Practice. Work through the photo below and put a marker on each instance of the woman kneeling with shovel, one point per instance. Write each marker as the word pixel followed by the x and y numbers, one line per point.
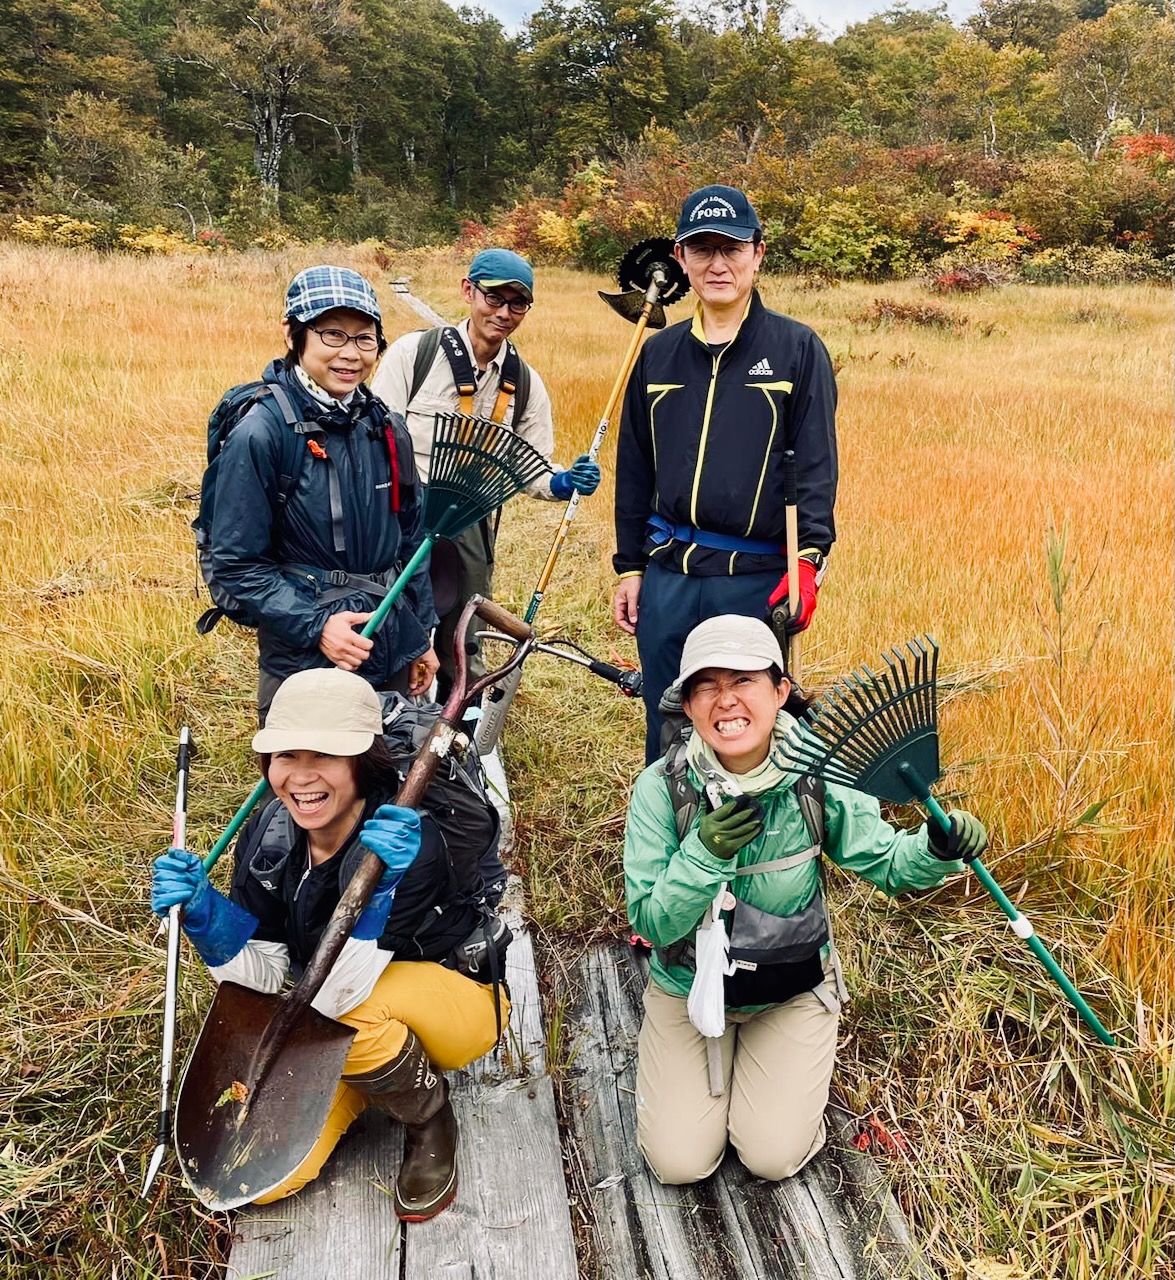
pixel 739 1042
pixel 324 756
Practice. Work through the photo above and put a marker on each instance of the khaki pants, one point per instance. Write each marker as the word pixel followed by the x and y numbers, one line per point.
pixel 776 1067
pixel 453 1017
pixel 475 576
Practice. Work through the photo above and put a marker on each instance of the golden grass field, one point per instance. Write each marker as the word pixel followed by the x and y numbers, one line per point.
pixel 1006 487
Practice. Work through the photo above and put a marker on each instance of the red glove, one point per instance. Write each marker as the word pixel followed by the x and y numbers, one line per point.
pixel 808 588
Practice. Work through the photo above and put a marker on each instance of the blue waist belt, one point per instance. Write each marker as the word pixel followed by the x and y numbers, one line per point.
pixel 660 532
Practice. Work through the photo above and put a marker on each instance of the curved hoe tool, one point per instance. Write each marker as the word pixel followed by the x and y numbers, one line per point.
pixel 263 1074
pixel 878 732
pixel 650 275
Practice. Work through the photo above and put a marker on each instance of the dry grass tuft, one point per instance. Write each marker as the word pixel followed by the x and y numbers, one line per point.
pixel 1012 496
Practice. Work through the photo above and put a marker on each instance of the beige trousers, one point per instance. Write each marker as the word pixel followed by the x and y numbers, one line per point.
pixel 776 1068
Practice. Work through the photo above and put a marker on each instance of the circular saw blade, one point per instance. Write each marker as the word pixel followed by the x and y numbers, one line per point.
pixel 636 269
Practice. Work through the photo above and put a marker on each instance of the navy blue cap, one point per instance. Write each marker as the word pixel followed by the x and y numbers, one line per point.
pixel 724 210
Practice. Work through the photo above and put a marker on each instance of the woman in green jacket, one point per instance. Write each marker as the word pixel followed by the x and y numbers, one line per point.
pixel 744 1050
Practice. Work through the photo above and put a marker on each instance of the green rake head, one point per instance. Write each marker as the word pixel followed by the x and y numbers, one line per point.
pixel 475 467
pixel 875 731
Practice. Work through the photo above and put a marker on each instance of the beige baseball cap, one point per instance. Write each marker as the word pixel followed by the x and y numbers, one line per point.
pixel 323 709
pixel 730 643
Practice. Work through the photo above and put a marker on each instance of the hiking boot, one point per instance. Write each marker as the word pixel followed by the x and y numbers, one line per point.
pixel 410 1089
pixel 428 1175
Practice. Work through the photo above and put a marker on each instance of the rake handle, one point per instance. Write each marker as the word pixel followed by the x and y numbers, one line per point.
pixel 1021 925
pixel 395 590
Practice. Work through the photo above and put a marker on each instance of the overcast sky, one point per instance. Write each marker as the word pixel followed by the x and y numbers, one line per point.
pixel 832 16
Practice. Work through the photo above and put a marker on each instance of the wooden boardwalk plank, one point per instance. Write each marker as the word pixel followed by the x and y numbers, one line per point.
pixel 510 1220
pixel 835 1220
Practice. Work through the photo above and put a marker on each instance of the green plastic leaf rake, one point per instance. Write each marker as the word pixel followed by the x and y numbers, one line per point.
pixel 878 732
pixel 475 466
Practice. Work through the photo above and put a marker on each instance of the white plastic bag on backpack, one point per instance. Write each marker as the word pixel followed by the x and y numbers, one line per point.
pixel 707 995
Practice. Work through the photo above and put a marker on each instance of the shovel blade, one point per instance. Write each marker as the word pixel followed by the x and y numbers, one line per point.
pixel 230 1152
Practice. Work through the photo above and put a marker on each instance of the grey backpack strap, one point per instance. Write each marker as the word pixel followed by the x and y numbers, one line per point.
pixel 682 792
pixel 426 353
pixel 810 793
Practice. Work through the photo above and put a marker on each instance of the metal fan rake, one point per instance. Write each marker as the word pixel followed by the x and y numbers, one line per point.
pixel 877 732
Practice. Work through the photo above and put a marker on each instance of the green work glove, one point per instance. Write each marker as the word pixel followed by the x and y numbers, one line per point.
pixel 725 831
pixel 966 841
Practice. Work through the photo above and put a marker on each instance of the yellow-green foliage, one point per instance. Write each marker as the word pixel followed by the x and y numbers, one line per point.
pixel 1005 485
pixel 57 229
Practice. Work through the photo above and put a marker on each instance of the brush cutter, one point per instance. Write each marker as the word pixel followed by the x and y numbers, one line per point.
pixel 650 276
pixel 878 733
pixel 263 1074
pixel 475 466
pixel 179 833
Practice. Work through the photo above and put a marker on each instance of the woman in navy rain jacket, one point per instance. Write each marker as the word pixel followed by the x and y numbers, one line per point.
pixel 311 568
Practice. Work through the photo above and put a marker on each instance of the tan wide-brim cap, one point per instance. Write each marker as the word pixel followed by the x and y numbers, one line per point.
pixel 729 643
pixel 324 709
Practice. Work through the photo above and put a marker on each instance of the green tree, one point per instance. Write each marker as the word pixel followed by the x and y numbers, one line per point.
pixel 50 49
pixel 1114 75
pixel 1001 97
pixel 891 64
pixel 279 60
pixel 1032 24
pixel 599 69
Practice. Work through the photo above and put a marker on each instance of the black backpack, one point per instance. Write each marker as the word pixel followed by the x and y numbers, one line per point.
pixel 234 406
pixel 457 799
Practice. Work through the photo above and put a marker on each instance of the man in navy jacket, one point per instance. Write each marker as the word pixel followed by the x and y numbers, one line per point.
pixel 711 407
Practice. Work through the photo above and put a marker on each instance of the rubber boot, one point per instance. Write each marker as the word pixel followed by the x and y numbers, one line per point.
pixel 411 1090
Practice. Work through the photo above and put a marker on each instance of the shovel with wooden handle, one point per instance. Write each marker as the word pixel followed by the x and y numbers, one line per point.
pixel 263 1074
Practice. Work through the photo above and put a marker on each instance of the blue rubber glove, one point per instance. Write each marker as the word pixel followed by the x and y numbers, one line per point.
pixel 393 835
pixel 583 477
pixel 216 927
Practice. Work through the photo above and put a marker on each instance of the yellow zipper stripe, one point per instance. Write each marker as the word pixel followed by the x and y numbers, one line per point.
pixel 693 503
pixel 660 390
pixel 766 388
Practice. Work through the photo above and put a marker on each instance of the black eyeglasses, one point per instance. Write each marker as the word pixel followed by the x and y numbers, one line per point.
pixel 495 301
pixel 340 338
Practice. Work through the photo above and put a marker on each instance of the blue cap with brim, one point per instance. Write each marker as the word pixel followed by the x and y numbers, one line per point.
pixel 320 289
pixel 492 268
pixel 723 210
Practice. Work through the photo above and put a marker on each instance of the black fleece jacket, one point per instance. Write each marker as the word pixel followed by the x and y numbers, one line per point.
pixel 702 440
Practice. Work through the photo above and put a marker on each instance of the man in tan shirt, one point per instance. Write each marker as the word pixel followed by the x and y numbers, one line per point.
pixel 474 368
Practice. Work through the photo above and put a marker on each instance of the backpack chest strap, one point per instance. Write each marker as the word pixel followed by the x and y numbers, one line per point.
pixel 781 864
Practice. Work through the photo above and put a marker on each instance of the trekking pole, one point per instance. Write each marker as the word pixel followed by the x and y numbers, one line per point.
pixel 179 835
pixel 650 276
pixel 878 733
pixel 475 466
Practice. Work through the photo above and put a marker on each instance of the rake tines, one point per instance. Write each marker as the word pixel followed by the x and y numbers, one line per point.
pixel 868 724
pixel 878 732
pixel 475 467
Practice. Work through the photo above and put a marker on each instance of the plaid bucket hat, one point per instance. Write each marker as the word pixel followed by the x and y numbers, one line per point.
pixel 319 289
